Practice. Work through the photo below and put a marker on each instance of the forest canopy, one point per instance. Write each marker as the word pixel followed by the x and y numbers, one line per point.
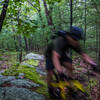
pixel 27 25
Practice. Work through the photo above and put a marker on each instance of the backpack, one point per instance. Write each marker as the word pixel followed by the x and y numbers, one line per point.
pixel 75 32
pixel 61 33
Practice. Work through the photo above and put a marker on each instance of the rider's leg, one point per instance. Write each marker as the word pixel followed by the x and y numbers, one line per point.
pixel 49 77
pixel 49 68
pixel 49 80
pixel 68 68
pixel 67 63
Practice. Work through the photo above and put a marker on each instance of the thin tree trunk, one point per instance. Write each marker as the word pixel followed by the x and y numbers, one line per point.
pixel 15 44
pixel 19 41
pixel 99 58
pixel 48 16
pixel 30 44
pixel 99 48
pixel 96 45
pixel 15 39
pixel 20 48
pixel 3 13
pixel 26 44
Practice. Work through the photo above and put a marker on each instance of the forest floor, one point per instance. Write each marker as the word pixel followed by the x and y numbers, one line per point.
pixel 90 79
pixel 5 62
pixel 82 72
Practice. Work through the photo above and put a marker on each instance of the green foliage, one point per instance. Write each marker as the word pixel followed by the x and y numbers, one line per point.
pixel 29 20
pixel 32 62
pixel 43 90
pixel 30 73
pixel 53 1
pixel 93 82
pixel 1 58
pixel 11 71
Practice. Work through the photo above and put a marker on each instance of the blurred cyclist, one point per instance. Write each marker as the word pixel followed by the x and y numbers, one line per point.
pixel 56 52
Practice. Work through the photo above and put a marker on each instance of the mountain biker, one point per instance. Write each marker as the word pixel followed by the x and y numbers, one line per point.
pixel 56 52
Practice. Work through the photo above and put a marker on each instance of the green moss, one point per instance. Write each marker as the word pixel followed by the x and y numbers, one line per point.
pixel 93 82
pixel 11 71
pixel 43 90
pixel 1 59
pixel 30 73
pixel 32 62
pixel 1 55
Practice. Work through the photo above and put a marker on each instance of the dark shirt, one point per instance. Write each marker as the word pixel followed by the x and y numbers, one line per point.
pixel 61 46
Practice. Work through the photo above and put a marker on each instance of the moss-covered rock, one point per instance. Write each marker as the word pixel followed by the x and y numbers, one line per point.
pixel 32 62
pixel 30 73
pixel 14 93
pixel 29 70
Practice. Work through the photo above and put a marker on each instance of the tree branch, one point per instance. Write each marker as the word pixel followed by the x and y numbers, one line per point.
pixel 33 5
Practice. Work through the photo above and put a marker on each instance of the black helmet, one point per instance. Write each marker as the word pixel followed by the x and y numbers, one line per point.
pixel 76 33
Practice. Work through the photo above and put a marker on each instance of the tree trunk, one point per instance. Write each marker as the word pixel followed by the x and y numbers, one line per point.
pixel 30 44
pixel 16 47
pixel 3 13
pixel 20 48
pixel 48 16
pixel 99 48
pixel 26 44
pixel 99 58
pixel 19 40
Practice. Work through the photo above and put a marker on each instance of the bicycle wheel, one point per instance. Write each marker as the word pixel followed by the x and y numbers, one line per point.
pixel 79 95
pixel 54 93
pixel 76 95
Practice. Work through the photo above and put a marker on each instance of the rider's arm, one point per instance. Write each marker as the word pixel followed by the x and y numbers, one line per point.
pixel 56 62
pixel 76 46
pixel 87 59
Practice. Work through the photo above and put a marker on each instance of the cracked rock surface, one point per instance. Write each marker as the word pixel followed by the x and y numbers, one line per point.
pixel 18 89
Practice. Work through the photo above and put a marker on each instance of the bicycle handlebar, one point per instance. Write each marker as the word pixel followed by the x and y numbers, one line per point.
pixel 96 68
pixel 63 77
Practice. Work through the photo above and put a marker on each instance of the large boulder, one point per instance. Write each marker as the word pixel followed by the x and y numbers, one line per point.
pixel 14 93
pixel 17 82
pixel 18 89
pixel 6 79
pixel 24 83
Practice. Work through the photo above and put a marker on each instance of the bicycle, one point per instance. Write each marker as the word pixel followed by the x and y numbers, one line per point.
pixel 67 89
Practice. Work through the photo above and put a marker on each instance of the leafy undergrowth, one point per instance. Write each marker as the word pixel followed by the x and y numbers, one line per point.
pixel 8 59
pixel 30 73
pixel 91 85
pixel 43 90
pixel 32 62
